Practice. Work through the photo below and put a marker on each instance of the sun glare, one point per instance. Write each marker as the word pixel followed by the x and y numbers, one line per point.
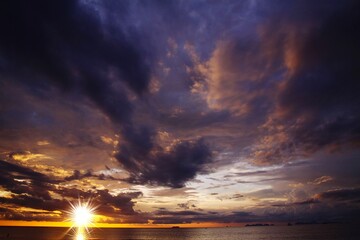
pixel 82 214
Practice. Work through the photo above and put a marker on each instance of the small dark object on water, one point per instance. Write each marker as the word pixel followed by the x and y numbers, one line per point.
pixel 259 225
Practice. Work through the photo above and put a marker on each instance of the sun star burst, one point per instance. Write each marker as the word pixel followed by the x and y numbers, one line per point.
pixel 82 214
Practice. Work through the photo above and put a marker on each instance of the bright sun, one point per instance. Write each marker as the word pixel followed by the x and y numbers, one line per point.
pixel 82 216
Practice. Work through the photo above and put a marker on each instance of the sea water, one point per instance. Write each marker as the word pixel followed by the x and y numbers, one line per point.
pixel 303 232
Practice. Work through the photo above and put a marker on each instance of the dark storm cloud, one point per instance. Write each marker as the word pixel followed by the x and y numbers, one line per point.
pixel 246 72
pixel 61 43
pixel 351 194
pixel 18 180
pixel 36 202
pixel 172 167
pixel 318 106
pixel 28 188
pixel 21 172
pixel 67 44
pixel 114 205
pixel 325 86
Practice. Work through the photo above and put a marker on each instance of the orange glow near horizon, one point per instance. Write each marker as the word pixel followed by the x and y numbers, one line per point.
pixel 83 216
pixel 13 223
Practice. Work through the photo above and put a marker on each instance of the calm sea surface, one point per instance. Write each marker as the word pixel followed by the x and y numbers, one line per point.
pixel 328 232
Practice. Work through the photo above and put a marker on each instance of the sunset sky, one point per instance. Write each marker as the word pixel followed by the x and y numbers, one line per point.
pixel 168 112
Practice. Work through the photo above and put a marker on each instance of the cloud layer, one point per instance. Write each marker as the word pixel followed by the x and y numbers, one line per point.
pixel 162 111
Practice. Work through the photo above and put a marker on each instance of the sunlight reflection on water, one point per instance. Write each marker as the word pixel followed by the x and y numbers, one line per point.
pixel 80 234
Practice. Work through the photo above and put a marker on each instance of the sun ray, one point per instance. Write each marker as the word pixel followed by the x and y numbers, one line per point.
pixel 81 215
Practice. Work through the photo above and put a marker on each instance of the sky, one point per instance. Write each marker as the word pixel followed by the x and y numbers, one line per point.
pixel 180 112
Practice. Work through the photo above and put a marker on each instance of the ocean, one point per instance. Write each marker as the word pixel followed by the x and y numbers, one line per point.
pixel 303 232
